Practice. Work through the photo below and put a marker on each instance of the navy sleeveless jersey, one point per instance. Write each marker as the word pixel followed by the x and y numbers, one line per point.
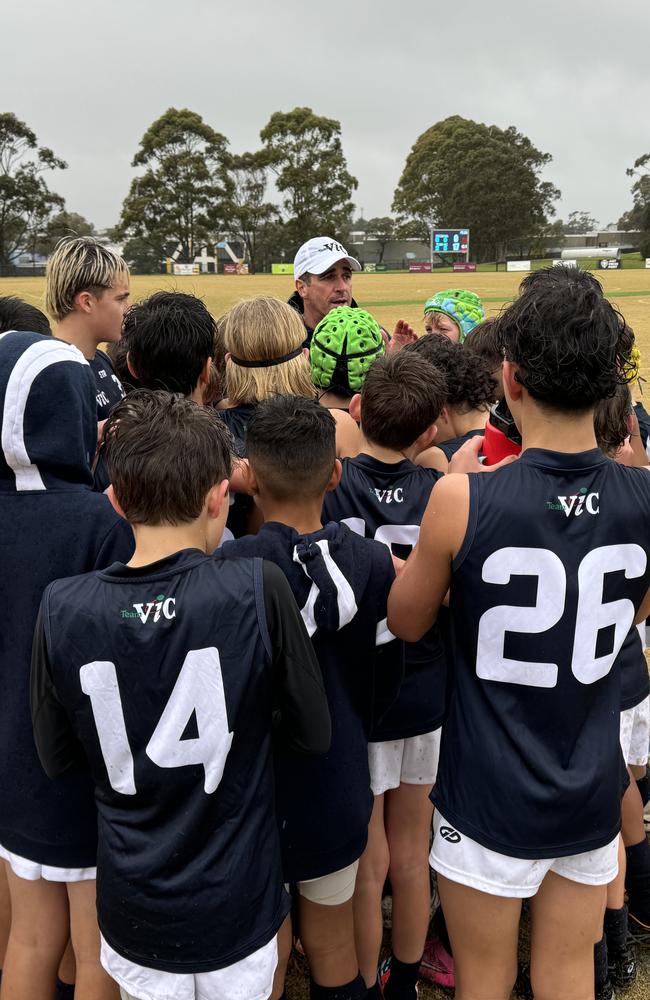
pixel 635 680
pixel 236 420
pixel 167 675
pixel 51 525
pixel 341 583
pixel 451 446
pixel 387 501
pixel 109 389
pixel 543 594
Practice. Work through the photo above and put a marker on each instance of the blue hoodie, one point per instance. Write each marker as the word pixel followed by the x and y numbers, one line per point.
pixel 51 525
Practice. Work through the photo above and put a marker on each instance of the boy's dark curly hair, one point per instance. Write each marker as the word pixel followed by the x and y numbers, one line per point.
pixel 470 385
pixel 610 420
pixel 571 346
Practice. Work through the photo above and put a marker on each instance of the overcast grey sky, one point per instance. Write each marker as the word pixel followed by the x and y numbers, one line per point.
pixel 574 75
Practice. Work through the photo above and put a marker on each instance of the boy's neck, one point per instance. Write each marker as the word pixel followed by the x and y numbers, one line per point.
pixel 390 456
pixel 154 542
pixel 74 329
pixel 474 420
pixel 304 516
pixel 564 432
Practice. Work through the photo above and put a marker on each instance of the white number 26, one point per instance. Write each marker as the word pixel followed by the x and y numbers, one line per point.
pixel 592 615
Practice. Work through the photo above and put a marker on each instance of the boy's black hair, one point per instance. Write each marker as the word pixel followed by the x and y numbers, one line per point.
pixel 118 354
pixel 483 342
pixel 560 275
pixel 170 337
pixel 572 347
pixel 610 420
pixel 15 314
pixel 165 453
pixel 468 376
pixel 291 446
pixel 402 396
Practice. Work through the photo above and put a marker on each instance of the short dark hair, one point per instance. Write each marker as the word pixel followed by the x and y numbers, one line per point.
pixel 483 342
pixel 165 453
pixel 291 446
pixel 571 346
pixel 402 395
pixel 470 385
pixel 170 336
pixel 15 314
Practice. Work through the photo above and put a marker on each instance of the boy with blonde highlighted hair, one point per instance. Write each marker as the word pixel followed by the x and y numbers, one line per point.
pixel 87 293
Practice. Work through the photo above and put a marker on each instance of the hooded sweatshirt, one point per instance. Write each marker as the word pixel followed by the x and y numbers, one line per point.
pixel 52 524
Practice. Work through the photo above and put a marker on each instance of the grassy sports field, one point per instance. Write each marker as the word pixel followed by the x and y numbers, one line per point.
pixel 390 297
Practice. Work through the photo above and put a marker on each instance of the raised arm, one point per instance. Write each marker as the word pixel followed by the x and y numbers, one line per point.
pixel 420 587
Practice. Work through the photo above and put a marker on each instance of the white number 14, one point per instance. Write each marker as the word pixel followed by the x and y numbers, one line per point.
pixel 198 689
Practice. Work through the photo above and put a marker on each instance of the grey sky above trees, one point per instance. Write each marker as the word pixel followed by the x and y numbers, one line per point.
pixel 572 75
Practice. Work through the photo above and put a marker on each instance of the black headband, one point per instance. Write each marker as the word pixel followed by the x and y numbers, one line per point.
pixel 269 362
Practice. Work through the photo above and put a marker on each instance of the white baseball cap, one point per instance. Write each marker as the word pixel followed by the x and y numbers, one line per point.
pixel 318 254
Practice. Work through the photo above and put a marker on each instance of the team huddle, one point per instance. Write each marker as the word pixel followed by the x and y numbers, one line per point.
pixel 301 614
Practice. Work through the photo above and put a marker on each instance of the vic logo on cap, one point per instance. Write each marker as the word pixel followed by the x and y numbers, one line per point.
pixel 330 247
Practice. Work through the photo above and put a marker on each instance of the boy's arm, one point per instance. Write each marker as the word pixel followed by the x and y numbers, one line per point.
pixel 301 698
pixel 433 458
pixel 57 746
pixel 420 588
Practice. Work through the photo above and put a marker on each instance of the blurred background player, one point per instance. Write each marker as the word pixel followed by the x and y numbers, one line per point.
pixel 453 313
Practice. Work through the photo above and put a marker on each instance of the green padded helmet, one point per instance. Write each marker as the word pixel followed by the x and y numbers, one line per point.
pixel 462 306
pixel 344 345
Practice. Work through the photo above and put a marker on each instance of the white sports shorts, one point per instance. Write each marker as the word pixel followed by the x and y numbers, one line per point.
pixel 332 889
pixel 635 733
pixel 33 870
pixel 461 859
pixel 413 761
pixel 250 979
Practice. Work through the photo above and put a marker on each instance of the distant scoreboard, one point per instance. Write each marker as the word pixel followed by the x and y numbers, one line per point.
pixel 450 240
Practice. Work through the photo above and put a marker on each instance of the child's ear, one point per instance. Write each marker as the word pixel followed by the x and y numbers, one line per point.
pixel 355 408
pixel 511 386
pixel 335 478
pixel 84 301
pixel 426 438
pixel 252 485
pixel 444 416
pixel 129 365
pixel 217 497
pixel 115 504
pixel 204 377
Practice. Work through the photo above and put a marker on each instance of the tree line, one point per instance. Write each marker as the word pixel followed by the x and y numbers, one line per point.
pixel 191 191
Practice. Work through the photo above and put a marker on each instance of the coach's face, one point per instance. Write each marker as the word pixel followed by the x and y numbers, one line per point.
pixel 326 291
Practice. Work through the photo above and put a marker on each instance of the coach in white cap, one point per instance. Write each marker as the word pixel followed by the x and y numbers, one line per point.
pixel 323 270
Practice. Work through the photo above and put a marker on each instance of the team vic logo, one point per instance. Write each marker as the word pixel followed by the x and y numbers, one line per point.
pixel 389 496
pixel 578 503
pixel 161 607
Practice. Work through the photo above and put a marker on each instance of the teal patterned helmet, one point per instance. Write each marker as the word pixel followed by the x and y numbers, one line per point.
pixel 462 306
pixel 344 345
